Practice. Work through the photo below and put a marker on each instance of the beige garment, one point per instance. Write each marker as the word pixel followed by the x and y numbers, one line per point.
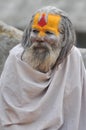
pixel 31 100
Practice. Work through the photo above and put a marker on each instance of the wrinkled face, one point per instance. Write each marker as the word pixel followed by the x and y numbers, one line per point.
pixel 45 29
pixel 45 41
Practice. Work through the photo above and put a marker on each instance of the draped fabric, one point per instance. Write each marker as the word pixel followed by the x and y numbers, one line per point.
pixel 31 100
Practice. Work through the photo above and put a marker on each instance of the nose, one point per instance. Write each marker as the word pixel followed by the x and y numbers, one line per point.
pixel 41 34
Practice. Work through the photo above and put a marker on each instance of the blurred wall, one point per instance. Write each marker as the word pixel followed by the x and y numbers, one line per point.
pixel 18 12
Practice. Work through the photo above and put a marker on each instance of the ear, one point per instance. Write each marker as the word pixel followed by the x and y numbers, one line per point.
pixel 26 36
pixel 69 38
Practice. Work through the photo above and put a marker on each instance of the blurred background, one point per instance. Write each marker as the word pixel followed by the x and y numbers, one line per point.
pixel 17 13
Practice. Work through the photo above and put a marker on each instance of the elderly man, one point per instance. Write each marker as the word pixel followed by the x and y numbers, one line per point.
pixel 43 84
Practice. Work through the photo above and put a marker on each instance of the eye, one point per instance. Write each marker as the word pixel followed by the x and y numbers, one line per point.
pixel 49 33
pixel 35 31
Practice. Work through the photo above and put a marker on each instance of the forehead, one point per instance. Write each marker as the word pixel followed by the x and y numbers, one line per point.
pixel 44 21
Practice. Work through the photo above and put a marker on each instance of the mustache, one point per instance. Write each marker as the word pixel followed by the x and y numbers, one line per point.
pixel 40 45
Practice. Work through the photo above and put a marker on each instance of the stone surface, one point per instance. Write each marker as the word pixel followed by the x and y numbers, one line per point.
pixel 9 37
pixel 18 12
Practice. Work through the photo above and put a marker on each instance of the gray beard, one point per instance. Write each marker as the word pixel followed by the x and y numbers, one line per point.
pixel 41 58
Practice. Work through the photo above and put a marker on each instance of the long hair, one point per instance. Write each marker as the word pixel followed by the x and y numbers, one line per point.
pixel 66 27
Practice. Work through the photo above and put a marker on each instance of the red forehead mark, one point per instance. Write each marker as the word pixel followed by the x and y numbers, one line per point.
pixel 42 21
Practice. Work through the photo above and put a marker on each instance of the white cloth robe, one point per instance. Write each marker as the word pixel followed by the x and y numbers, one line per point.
pixel 31 100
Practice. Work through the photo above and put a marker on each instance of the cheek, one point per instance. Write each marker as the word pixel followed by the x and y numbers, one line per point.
pixel 51 39
pixel 32 37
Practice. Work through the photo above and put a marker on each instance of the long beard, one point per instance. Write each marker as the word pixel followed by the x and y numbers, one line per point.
pixel 40 56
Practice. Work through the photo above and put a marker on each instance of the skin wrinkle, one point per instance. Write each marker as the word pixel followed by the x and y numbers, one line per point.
pixel 44 52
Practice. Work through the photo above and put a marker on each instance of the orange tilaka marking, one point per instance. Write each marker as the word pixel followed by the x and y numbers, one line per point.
pixel 52 23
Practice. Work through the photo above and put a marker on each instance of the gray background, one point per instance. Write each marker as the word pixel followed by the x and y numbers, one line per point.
pixel 18 13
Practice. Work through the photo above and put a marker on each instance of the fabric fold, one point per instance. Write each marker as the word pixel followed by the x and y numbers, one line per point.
pixel 33 100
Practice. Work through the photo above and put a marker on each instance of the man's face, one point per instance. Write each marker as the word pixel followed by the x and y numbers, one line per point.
pixel 45 29
pixel 45 40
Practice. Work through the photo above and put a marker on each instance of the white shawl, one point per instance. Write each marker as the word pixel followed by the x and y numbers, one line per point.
pixel 31 100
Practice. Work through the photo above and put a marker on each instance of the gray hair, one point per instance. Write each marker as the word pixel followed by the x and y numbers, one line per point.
pixel 66 28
